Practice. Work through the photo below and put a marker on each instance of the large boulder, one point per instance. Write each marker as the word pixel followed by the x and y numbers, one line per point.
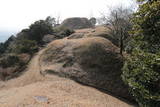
pixel 76 23
pixel 98 31
pixel 93 61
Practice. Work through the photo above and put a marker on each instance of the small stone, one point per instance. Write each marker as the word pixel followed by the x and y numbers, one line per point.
pixel 41 99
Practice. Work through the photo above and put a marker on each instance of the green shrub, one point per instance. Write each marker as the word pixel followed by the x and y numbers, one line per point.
pixel 24 46
pixel 9 60
pixel 63 32
pixel 67 32
pixel 38 29
pixel 2 49
pixel 147 26
pixel 4 46
pixel 141 72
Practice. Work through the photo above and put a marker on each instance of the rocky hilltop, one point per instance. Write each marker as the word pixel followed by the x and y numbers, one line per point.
pixel 92 61
pixel 77 23
pixel 80 70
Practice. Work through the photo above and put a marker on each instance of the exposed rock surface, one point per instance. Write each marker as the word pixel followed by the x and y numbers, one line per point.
pixel 76 23
pixel 86 57
pixel 35 90
pixel 98 31
pixel 93 61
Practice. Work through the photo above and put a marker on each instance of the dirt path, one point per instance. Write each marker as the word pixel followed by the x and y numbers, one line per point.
pixel 31 74
pixel 34 90
pixel 60 93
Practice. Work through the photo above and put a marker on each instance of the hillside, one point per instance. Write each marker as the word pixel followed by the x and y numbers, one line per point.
pixel 43 83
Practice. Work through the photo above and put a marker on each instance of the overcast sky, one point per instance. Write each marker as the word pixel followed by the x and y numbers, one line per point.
pixel 18 14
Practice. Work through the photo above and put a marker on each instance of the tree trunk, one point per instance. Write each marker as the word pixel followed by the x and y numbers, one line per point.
pixel 121 45
pixel 121 42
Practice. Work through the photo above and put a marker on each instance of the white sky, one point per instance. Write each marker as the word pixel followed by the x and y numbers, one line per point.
pixel 18 14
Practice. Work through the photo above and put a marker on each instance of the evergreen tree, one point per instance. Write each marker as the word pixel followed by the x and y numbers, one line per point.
pixel 147 25
pixel 141 70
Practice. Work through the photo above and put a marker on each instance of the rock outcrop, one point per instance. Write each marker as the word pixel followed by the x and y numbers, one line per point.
pixel 98 31
pixel 76 23
pixel 93 61
pixel 88 56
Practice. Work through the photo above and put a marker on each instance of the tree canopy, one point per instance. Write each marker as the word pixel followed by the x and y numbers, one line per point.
pixel 141 70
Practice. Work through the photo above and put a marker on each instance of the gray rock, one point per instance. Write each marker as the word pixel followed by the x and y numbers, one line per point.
pixel 91 61
pixel 41 99
pixel 77 23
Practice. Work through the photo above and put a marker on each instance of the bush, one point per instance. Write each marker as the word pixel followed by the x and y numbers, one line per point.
pixel 2 49
pixel 67 32
pixel 142 73
pixel 93 21
pixel 4 46
pixel 146 26
pixel 38 29
pixel 24 46
pixel 11 65
pixel 63 31
pixel 142 68
pixel 10 61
